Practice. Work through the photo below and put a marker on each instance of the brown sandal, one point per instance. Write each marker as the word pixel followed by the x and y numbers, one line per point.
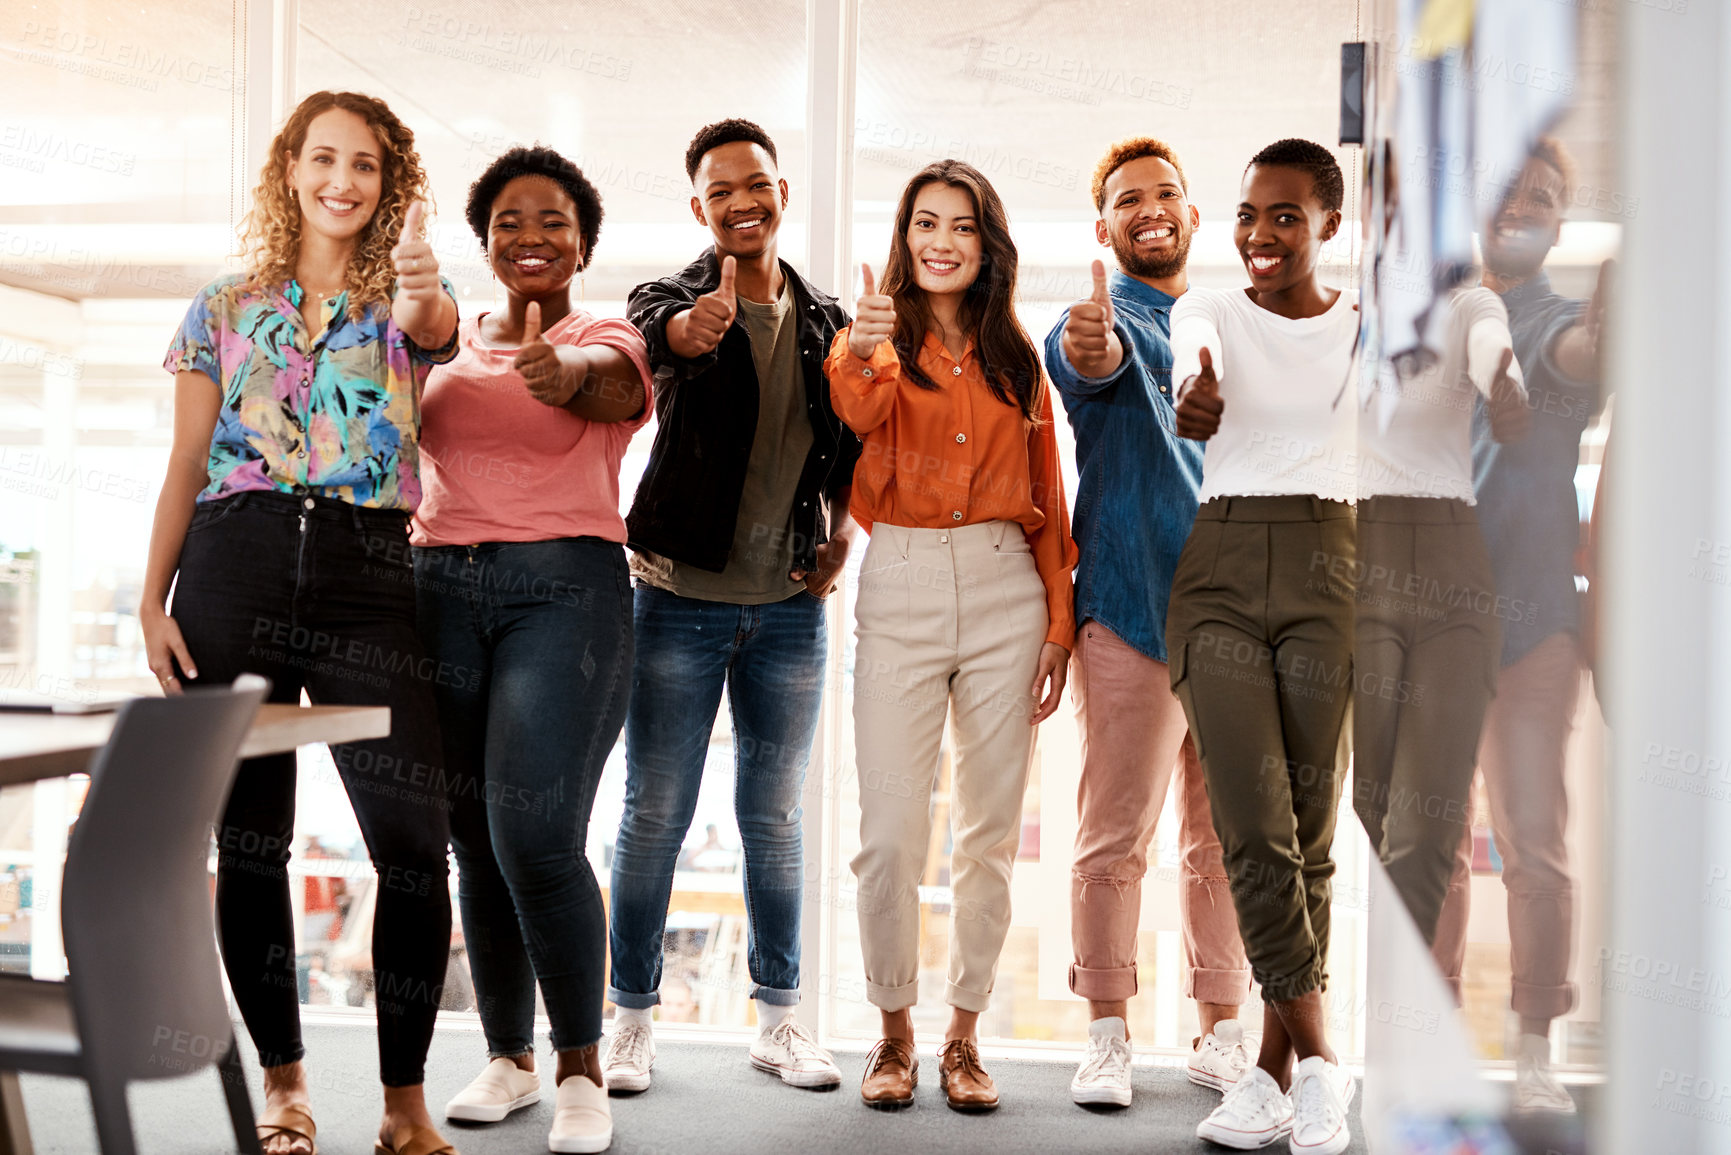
pixel 418 1143
pixel 288 1121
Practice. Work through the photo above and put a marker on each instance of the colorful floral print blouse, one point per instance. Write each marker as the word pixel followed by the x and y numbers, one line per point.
pixel 336 417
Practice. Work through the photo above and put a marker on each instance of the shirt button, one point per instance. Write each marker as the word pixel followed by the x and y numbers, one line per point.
pixel 309 504
pixel 1162 388
pixel 960 438
pixel 956 516
pixel 866 373
pixel 956 372
pixel 943 538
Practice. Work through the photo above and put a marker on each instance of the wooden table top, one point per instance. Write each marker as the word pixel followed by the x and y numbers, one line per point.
pixel 35 746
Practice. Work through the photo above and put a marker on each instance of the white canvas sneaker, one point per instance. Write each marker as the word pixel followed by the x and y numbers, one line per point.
pixel 1221 1058
pixel 499 1089
pixel 1320 1092
pixel 630 1057
pixel 1103 1079
pixel 789 1050
pixel 1254 1114
pixel 1536 1088
pixel 582 1118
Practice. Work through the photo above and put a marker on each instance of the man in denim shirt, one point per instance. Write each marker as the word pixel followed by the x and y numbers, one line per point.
pixel 1111 362
pixel 1529 514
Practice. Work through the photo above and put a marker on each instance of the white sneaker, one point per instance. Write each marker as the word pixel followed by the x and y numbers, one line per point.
pixel 1221 1058
pixel 1536 1088
pixel 630 1057
pixel 1320 1092
pixel 582 1120
pixel 497 1091
pixel 1104 1076
pixel 1254 1114
pixel 790 1051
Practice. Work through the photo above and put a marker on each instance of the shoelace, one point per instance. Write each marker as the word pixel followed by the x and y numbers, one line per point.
pixel 967 1056
pixel 1310 1103
pixel 1241 1100
pixel 884 1053
pixel 1100 1055
pixel 798 1042
pixel 630 1045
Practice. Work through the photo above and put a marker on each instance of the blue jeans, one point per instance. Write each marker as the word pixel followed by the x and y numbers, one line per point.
pixel 544 626
pixel 770 658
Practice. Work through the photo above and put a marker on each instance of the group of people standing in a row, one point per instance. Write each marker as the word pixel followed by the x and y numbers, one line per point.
pixel 1215 612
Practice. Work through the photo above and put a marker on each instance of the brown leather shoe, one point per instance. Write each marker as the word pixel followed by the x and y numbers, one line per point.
pixel 892 1072
pixel 966 1085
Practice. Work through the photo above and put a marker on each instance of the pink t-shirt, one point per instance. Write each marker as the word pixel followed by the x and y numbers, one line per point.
pixel 498 465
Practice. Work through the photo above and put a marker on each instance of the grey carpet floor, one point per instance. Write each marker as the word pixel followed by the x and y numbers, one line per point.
pixel 706 1098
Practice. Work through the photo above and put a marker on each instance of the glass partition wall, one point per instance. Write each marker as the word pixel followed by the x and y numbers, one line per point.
pixel 123 172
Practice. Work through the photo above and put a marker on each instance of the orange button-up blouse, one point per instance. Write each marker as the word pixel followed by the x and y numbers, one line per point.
pixel 956 455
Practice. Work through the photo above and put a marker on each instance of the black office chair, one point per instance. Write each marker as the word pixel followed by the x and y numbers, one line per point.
pixel 143 998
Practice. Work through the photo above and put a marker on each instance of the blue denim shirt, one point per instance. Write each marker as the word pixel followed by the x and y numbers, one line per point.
pixel 1137 497
pixel 1527 507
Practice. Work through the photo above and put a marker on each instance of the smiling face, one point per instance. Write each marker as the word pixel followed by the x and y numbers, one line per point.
pixel 338 176
pixel 534 239
pixel 1281 227
pixel 1528 224
pixel 1147 219
pixel 740 198
pixel 944 239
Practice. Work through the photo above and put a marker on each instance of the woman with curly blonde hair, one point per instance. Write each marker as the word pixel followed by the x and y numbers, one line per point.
pixel 282 527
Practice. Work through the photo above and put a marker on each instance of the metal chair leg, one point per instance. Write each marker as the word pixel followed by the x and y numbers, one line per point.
pixel 113 1117
pixel 234 1089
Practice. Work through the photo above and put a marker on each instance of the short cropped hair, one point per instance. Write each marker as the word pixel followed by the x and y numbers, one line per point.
pixel 729 131
pixel 536 161
pixel 1127 150
pixel 1310 157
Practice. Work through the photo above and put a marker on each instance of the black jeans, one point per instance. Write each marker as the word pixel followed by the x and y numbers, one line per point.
pixel 548 625
pixel 315 593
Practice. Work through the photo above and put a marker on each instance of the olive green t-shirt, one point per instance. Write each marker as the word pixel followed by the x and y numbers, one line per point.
pixel 763 543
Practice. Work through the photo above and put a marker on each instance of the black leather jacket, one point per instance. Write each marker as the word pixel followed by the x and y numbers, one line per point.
pixel 687 504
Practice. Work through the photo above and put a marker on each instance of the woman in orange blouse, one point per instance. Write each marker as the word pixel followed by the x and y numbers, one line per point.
pixel 964 602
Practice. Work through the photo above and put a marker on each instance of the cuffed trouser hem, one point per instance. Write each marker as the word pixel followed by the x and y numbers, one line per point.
pixel 775 996
pixel 1229 988
pixel 1108 985
pixel 965 1000
pixel 631 1001
pixel 1296 987
pixel 1532 1002
pixel 893 998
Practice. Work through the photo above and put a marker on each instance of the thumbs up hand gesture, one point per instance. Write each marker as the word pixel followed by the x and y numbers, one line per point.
pixel 416 267
pixel 699 329
pixel 1199 410
pixel 1090 342
pixel 874 319
pixel 538 361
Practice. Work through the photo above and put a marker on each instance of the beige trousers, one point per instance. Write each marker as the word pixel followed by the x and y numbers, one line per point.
pixel 950 623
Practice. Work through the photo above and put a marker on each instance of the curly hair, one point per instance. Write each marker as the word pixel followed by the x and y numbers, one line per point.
pixel 1307 156
pixel 270 236
pixel 1125 151
pixel 713 136
pixel 537 161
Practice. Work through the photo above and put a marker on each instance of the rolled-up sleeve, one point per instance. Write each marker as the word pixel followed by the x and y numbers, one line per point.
pixel 1054 550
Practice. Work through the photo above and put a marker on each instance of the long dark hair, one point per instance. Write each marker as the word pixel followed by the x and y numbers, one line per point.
pixel 1006 353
